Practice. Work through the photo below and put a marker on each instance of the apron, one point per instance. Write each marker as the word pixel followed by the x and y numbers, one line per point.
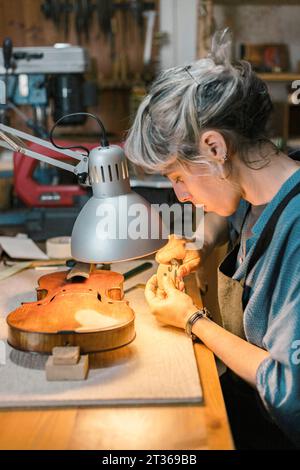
pixel 233 295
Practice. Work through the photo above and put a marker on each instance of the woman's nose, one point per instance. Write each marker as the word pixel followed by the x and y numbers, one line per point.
pixel 182 196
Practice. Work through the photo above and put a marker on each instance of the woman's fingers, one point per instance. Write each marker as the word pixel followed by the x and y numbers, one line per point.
pixel 153 281
pixel 183 271
pixel 189 265
pixel 150 289
pixel 174 249
pixel 191 261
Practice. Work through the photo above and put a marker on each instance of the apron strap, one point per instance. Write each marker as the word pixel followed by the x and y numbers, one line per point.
pixel 265 238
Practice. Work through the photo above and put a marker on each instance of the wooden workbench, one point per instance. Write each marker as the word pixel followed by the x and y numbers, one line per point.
pixel 169 427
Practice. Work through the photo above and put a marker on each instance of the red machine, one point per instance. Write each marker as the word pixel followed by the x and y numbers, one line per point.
pixel 41 192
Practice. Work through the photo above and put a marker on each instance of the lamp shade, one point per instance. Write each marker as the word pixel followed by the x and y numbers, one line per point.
pixel 116 224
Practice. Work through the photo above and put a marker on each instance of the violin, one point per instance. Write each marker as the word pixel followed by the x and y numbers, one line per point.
pixel 87 312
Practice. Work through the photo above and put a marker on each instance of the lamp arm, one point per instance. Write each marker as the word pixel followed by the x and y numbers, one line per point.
pixel 10 138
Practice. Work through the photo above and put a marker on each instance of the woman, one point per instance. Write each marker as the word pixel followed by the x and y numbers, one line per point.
pixel 204 126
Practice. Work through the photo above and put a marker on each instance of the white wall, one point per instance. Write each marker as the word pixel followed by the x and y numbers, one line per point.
pixel 251 23
pixel 178 18
pixel 258 24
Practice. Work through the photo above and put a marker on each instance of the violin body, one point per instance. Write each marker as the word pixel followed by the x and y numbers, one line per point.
pixel 89 313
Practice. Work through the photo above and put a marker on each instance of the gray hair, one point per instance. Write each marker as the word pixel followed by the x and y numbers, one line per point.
pixel 211 93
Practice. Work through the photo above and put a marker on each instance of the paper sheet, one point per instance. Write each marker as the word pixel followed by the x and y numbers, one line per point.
pixel 22 248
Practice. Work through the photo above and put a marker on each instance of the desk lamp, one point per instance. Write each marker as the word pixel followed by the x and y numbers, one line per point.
pixel 104 168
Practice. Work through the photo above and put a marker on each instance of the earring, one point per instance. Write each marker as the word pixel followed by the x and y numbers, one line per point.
pixel 225 158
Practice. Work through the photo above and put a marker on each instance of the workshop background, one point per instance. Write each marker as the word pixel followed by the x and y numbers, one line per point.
pixel 122 46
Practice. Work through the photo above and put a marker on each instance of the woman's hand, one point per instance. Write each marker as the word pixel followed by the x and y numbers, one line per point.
pixel 176 249
pixel 172 307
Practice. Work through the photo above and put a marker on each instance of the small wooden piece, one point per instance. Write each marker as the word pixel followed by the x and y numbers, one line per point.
pixel 170 270
pixel 65 356
pixel 77 371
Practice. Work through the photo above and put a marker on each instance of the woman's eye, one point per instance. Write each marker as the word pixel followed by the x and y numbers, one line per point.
pixel 178 180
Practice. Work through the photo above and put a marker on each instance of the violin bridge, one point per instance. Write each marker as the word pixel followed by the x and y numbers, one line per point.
pixel 80 270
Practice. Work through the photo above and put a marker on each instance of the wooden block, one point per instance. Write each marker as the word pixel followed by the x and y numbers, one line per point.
pixel 67 355
pixel 77 371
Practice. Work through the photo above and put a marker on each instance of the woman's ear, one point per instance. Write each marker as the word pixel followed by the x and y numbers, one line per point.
pixel 213 145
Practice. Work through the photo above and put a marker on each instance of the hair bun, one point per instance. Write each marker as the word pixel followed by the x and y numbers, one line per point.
pixel 221 47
